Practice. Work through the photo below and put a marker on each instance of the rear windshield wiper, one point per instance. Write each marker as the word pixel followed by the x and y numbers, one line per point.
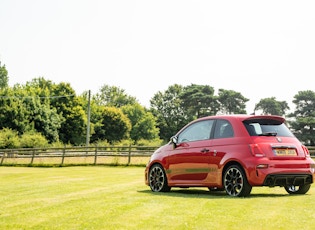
pixel 268 134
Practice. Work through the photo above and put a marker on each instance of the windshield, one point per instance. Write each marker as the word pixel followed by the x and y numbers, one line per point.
pixel 267 128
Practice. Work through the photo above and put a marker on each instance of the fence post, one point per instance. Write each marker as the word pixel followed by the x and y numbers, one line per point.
pixel 2 158
pixel 95 156
pixel 129 154
pixel 63 154
pixel 33 155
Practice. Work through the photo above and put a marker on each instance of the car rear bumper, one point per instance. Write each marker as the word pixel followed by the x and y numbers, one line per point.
pixel 281 172
pixel 287 179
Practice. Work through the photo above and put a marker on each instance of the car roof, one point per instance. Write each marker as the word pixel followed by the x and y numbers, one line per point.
pixel 243 117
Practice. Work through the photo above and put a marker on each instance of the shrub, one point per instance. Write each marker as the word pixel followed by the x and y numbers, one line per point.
pixel 155 142
pixel 9 139
pixel 33 140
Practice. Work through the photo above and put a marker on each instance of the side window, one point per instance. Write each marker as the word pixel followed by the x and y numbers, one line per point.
pixel 253 129
pixel 197 131
pixel 223 129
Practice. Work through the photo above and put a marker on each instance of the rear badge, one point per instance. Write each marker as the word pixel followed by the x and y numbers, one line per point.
pixel 279 139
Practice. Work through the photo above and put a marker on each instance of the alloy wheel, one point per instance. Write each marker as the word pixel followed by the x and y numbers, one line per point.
pixel 157 179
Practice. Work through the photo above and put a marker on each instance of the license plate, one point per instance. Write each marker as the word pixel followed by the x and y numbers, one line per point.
pixel 285 152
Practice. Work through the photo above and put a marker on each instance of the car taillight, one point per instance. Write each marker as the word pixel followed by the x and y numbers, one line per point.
pixel 305 150
pixel 256 150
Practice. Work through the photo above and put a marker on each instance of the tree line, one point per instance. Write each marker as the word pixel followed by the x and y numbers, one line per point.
pixel 42 113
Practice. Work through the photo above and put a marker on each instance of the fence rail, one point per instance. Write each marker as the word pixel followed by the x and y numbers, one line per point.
pixel 82 155
pixel 312 150
pixel 77 155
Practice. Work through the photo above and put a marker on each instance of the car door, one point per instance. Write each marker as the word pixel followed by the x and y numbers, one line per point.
pixel 222 143
pixel 189 160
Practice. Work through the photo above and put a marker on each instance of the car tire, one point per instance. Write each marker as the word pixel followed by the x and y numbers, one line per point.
pixel 302 189
pixel 235 182
pixel 158 179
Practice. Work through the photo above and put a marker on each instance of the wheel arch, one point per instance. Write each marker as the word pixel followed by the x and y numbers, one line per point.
pixel 228 164
pixel 152 164
pixel 158 184
pixel 156 163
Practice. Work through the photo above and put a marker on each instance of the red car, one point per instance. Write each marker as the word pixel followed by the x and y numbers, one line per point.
pixel 232 153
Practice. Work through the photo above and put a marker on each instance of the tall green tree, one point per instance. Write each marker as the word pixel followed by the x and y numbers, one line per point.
pixel 303 123
pixel 24 110
pixel 14 114
pixel 41 115
pixel 167 107
pixel 272 106
pixel 199 101
pixel 73 116
pixel 143 123
pixel 113 96
pixel 113 125
pixel 4 78
pixel 232 102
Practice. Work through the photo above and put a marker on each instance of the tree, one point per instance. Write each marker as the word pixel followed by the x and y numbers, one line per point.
pixel 73 117
pixel 113 125
pixel 13 112
pixel 303 123
pixel 41 115
pixel 4 79
pixel 199 101
pixel 167 108
pixel 24 110
pixel 143 123
pixel 231 102
pixel 113 96
pixel 272 106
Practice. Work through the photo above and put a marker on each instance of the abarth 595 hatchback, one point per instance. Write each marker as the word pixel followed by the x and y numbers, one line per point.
pixel 232 153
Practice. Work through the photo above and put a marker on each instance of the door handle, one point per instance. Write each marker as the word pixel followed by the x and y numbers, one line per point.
pixel 204 150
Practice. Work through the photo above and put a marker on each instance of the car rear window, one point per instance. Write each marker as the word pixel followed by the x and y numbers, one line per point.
pixel 267 127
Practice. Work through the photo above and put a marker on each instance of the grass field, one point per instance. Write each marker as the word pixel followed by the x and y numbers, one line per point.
pixel 102 197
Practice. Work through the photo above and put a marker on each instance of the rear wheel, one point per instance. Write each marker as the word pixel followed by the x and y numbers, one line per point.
pixel 302 189
pixel 158 179
pixel 235 182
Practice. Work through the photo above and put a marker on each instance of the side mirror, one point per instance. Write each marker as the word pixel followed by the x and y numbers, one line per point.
pixel 174 141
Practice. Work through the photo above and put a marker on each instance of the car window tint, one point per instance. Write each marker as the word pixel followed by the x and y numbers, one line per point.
pixel 223 129
pixel 197 131
pixel 254 129
pixel 257 128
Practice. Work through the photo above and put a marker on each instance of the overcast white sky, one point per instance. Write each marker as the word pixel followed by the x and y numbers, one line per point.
pixel 258 48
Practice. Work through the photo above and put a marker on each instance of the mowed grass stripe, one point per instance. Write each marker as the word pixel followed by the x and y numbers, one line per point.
pixel 102 197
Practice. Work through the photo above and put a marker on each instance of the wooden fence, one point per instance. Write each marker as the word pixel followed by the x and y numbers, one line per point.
pixel 113 155
pixel 312 150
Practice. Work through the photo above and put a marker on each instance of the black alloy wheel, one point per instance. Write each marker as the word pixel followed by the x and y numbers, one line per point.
pixel 235 182
pixel 302 189
pixel 158 179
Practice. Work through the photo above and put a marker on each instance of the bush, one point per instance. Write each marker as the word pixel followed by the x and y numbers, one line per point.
pixel 155 142
pixel 125 142
pixel 59 144
pixel 9 139
pixel 33 140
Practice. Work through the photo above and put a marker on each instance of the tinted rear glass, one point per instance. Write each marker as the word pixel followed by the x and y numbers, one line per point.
pixel 267 127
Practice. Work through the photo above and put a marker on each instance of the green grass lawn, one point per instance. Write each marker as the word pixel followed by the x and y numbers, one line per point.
pixel 103 197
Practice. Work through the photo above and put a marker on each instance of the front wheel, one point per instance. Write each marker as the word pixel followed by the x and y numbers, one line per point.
pixel 158 179
pixel 235 182
pixel 302 189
